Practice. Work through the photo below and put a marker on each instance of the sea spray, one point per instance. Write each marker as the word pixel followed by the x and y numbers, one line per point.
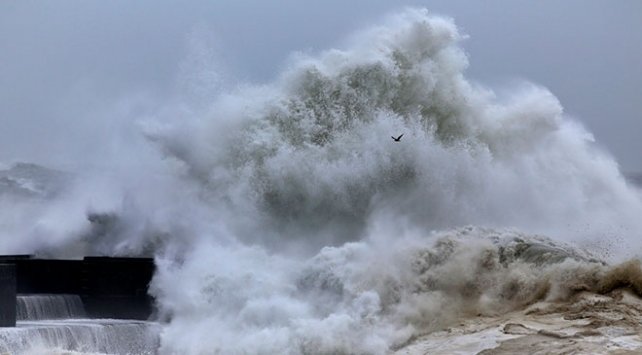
pixel 285 219
pixel 309 158
pixel 368 297
pixel 307 167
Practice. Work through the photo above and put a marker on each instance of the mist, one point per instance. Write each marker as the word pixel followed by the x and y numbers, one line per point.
pixel 102 66
pixel 255 164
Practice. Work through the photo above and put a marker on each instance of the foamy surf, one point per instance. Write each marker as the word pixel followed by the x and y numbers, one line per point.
pixel 330 219
pixel 369 298
pixel 304 229
pixel 586 324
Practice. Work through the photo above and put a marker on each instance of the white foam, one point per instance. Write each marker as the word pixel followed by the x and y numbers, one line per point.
pixel 285 220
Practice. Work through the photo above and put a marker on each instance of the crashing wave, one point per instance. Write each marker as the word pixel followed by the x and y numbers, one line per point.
pixel 308 165
pixel 305 229
pixel 369 298
pixel 32 181
pixel 310 155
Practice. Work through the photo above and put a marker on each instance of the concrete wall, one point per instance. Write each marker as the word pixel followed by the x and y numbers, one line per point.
pixel 109 287
pixel 7 295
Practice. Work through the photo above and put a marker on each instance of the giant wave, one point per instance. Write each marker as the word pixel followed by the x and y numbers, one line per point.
pixel 287 221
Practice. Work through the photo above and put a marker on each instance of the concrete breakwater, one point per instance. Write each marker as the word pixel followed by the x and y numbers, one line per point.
pixel 113 288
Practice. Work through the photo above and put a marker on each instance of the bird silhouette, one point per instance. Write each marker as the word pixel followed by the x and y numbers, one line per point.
pixel 397 139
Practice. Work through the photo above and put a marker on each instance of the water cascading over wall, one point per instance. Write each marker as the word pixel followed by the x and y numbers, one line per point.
pixel 97 305
pixel 47 322
pixel 38 307
pixel 109 287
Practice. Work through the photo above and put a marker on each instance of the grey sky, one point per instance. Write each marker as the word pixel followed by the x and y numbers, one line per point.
pixel 65 66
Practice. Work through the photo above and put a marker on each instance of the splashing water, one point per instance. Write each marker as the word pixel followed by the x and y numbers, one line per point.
pixel 307 162
pixel 310 155
pixel 291 222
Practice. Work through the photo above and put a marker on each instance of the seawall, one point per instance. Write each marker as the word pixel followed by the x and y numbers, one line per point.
pixel 109 287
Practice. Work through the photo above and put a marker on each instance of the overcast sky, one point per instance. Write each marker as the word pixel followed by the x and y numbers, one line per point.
pixel 66 67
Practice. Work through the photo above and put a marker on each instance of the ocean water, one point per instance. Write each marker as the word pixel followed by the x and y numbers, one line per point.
pixel 285 220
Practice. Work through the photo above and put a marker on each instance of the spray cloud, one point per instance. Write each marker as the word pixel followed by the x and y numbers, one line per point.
pixel 285 220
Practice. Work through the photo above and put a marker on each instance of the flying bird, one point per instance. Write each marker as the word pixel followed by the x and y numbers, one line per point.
pixel 397 139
